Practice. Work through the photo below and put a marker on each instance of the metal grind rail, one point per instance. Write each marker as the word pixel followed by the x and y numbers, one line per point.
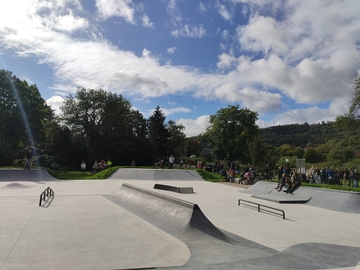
pixel 46 193
pixel 265 208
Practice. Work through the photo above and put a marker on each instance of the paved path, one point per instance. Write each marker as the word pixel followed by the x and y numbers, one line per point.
pixel 89 225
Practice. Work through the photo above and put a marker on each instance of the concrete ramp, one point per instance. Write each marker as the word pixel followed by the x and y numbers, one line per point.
pixel 336 200
pixel 156 174
pixel 25 175
pixel 186 221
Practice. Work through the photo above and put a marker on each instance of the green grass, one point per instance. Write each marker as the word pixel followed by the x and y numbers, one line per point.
pixel 211 177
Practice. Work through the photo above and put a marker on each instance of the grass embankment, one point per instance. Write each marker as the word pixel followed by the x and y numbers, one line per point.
pixel 78 175
pixel 211 177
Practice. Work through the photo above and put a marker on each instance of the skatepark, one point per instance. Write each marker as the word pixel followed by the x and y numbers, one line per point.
pixel 172 219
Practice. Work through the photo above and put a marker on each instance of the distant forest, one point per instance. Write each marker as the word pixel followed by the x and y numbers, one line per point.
pixel 299 135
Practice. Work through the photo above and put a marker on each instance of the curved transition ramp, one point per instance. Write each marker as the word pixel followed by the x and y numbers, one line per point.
pixel 156 174
pixel 213 248
pixel 336 200
pixel 25 175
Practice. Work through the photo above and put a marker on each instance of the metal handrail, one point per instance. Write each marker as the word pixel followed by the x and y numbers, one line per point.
pixel 46 193
pixel 261 205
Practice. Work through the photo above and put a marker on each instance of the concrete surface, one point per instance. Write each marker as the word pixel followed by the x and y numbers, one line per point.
pixel 103 224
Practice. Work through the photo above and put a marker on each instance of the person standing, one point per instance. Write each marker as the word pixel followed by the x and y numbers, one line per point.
pixel 171 161
pixel 96 166
pixel 83 167
pixel 109 163
pixel 28 157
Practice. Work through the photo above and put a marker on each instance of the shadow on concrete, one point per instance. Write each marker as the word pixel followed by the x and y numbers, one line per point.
pixel 35 175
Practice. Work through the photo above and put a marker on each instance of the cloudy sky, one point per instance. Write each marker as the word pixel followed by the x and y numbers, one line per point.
pixel 291 61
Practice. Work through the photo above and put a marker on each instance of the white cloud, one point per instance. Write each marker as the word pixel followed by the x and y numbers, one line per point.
pixel 168 112
pixel 262 34
pixel 226 61
pixel 224 11
pixel 116 8
pixel 192 31
pixel 174 12
pixel 195 127
pixel 171 50
pixel 55 103
pixel 260 101
pixel 202 7
pixel 146 21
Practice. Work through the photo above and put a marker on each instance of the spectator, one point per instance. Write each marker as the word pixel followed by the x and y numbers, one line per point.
pixel 356 176
pixel 323 175
pixel 232 175
pixel 351 177
pixel 28 162
pixel 83 167
pixel 133 163
pixel 295 182
pixel 316 179
pixel 282 182
pixel 96 166
pixel 280 172
pixel 171 161
pixel 181 163
pixel 109 163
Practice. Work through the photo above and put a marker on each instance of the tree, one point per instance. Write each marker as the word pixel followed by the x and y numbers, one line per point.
pixel 158 133
pixel 231 131
pixel 311 156
pixel 177 139
pixel 108 125
pixel 23 114
pixel 350 121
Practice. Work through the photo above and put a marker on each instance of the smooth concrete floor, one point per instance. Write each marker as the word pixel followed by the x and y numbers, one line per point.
pixel 80 229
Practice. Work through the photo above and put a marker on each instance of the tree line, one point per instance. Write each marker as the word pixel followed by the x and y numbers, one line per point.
pixel 93 125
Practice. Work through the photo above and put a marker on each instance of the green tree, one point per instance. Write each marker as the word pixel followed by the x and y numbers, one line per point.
pixel 299 152
pixel 192 147
pixel 231 131
pixel 286 150
pixel 159 134
pixel 108 125
pixel 23 114
pixel 177 139
pixel 350 122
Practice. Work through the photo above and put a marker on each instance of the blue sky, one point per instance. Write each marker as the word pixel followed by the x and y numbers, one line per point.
pixel 291 61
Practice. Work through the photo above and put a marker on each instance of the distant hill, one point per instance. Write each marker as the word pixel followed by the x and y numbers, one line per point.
pixel 300 134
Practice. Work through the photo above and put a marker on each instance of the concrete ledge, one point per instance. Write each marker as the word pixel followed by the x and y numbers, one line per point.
pixel 186 190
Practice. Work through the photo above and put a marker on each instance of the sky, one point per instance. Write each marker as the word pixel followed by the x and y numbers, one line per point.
pixel 291 61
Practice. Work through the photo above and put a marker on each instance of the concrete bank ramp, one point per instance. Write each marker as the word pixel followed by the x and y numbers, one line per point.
pixel 156 174
pixel 186 221
pixel 25 175
pixel 336 200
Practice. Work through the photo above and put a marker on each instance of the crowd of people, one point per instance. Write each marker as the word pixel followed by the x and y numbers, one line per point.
pixel 97 166
pixel 327 175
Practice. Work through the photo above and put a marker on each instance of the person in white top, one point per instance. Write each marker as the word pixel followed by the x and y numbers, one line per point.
pixel 171 161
